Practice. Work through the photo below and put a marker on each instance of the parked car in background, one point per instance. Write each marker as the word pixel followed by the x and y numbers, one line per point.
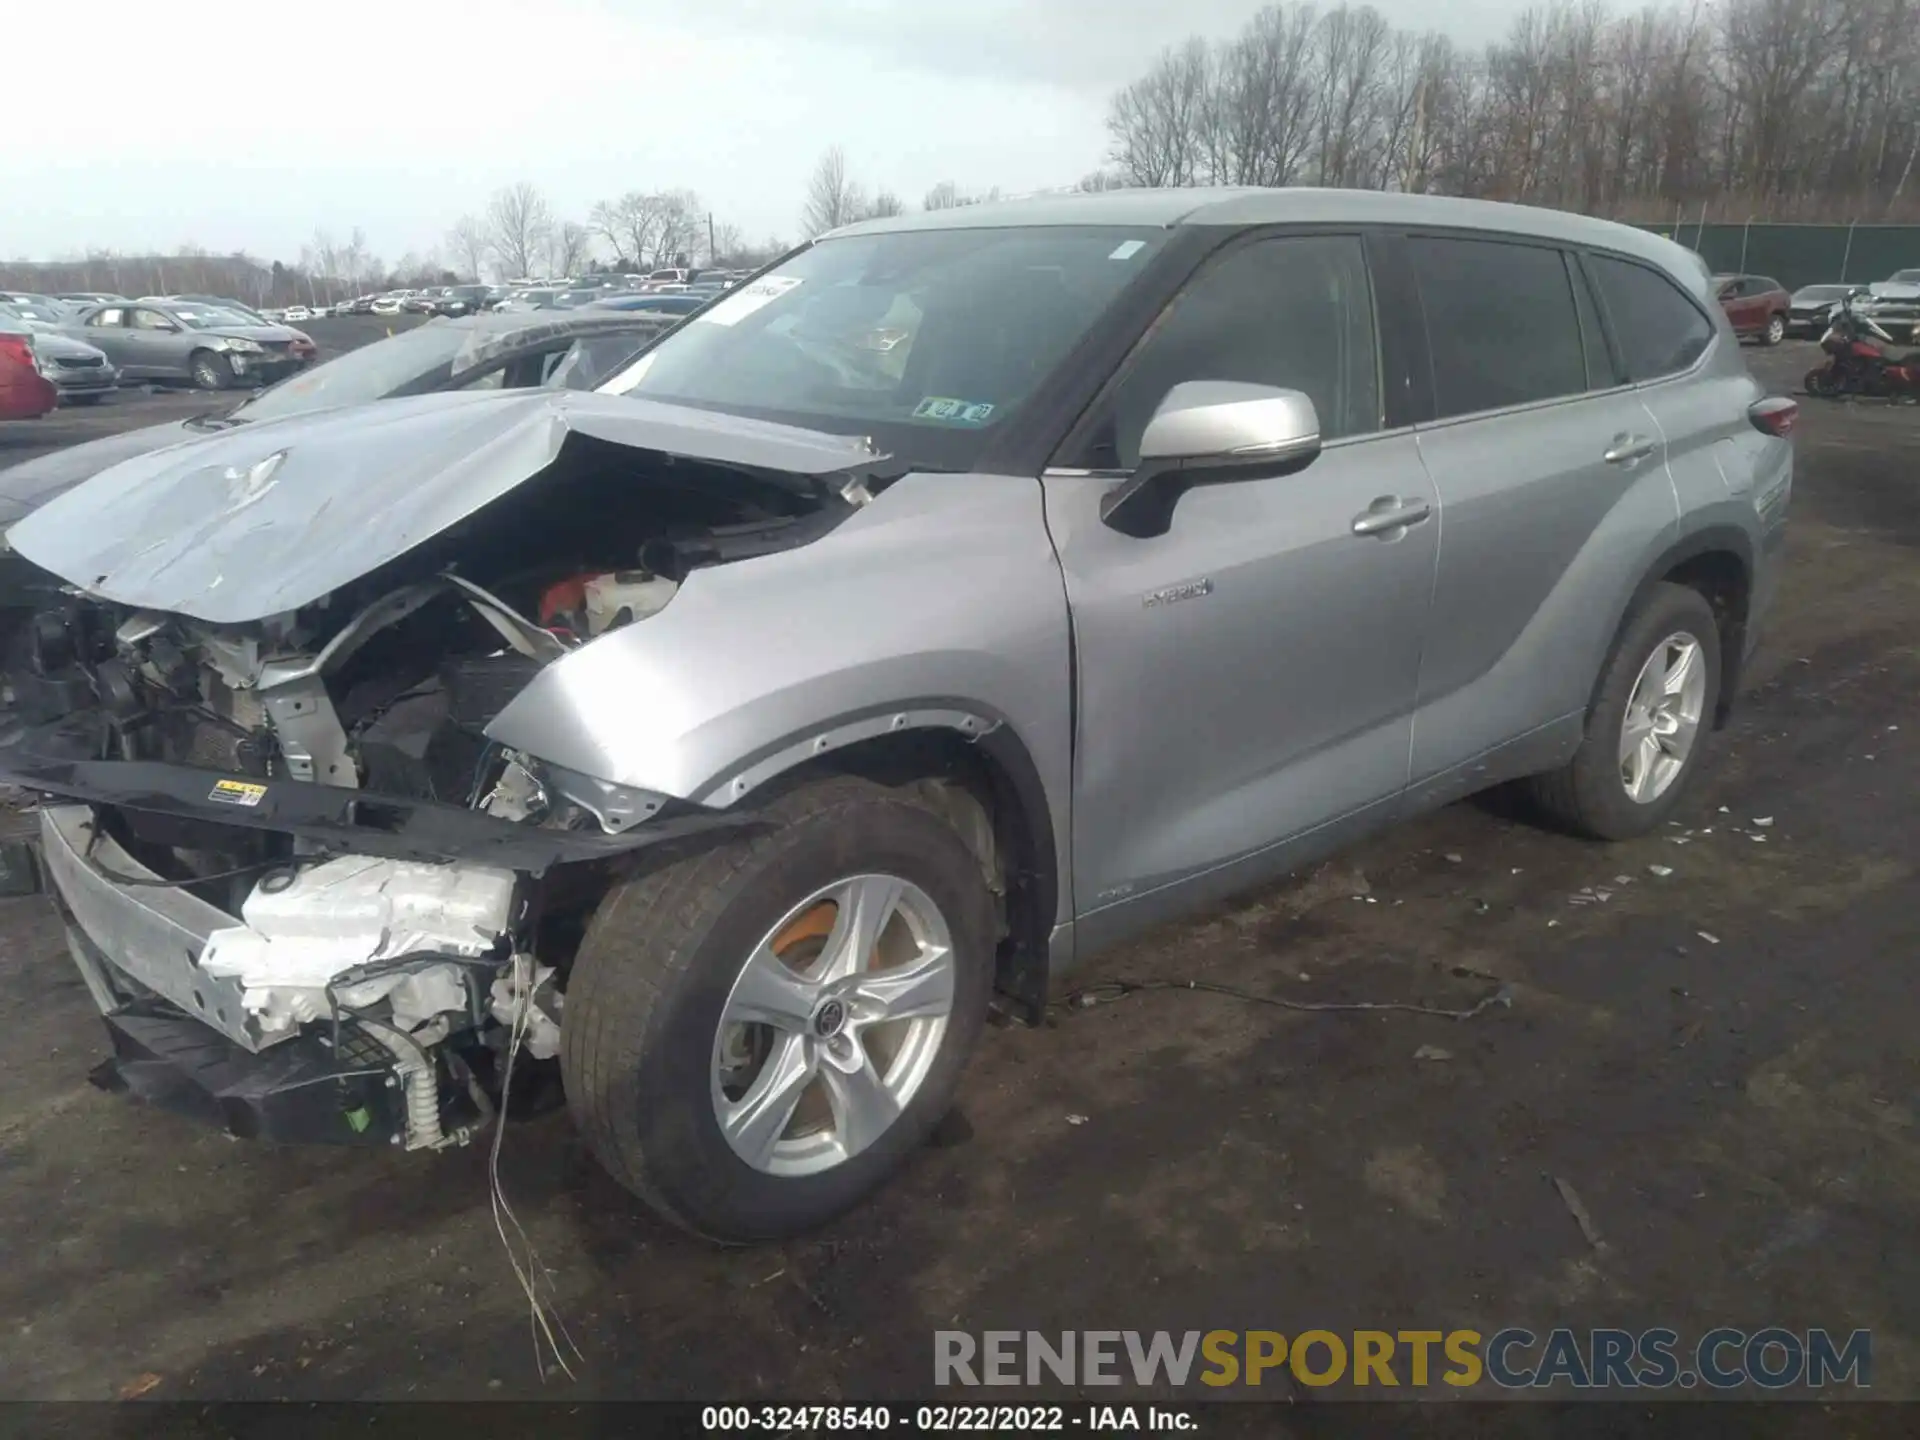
pixel 215 302
pixel 421 302
pixel 521 301
pixel 83 298
pixel 25 393
pixel 391 303
pixel 294 312
pixel 577 351
pixel 1810 307
pixel 26 298
pixel 1894 304
pixel 82 373
pixel 39 308
pixel 770 727
pixel 460 300
pixel 1757 307
pixel 200 345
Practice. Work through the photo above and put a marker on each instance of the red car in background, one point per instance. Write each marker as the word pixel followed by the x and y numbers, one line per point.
pixel 1757 306
pixel 25 394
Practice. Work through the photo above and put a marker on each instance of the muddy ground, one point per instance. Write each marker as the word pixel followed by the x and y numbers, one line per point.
pixel 1736 1114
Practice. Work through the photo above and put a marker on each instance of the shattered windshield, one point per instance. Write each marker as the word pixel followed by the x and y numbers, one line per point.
pixel 927 340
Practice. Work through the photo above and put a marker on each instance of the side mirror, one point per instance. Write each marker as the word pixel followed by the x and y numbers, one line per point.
pixel 1209 432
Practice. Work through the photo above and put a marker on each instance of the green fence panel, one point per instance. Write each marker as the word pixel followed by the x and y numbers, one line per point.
pixel 1797 255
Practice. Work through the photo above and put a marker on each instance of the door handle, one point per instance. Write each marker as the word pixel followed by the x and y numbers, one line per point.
pixel 1627 449
pixel 1388 514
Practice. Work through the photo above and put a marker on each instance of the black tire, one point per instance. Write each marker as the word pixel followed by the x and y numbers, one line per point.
pixel 1586 795
pixel 651 980
pixel 1819 382
pixel 210 370
pixel 1776 330
pixel 91 398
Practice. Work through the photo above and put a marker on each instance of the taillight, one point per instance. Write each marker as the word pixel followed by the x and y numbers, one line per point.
pixel 1775 415
pixel 17 347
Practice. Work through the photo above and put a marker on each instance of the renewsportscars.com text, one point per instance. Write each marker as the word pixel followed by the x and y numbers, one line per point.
pixel 1770 1358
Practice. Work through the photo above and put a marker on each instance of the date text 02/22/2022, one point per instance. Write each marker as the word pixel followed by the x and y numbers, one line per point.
pixel 947 1419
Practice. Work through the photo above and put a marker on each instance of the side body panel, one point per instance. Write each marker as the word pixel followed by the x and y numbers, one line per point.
pixel 939 601
pixel 1542 536
pixel 1244 679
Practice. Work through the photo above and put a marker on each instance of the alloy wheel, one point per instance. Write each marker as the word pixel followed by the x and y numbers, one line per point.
pixel 833 1025
pixel 1662 718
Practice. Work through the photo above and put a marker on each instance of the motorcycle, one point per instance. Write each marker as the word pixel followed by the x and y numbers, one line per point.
pixel 1860 361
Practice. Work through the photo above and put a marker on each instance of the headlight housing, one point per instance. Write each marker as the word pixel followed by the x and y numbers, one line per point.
pixel 245 347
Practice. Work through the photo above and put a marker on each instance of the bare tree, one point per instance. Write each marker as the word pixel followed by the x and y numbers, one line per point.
pixel 568 246
pixel 1797 108
pixel 883 204
pixel 725 244
pixel 833 200
pixel 467 242
pixel 518 222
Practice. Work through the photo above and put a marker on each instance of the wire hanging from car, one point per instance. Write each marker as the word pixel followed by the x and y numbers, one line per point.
pixel 542 1318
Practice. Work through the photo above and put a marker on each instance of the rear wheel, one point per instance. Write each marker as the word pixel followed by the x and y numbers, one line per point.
pixel 757 1037
pixel 1648 725
pixel 210 370
pixel 1776 330
pixel 1819 381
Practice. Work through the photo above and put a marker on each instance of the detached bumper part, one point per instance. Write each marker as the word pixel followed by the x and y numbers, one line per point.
pixel 297 1093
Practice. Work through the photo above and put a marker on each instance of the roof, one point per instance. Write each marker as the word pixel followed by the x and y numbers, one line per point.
pixel 1229 206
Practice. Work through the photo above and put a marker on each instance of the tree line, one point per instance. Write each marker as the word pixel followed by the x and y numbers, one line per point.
pixel 1778 109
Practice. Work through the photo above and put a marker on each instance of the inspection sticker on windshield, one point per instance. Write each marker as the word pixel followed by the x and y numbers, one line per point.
pixel 237 792
pixel 1127 249
pixel 956 412
pixel 747 299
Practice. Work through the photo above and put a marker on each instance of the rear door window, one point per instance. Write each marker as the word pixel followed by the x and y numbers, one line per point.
pixel 1501 323
pixel 1658 329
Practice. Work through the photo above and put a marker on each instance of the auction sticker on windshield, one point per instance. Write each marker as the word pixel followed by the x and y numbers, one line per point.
pixel 957 412
pixel 748 298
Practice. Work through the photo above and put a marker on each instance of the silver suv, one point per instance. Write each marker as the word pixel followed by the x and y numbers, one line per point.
pixel 942 606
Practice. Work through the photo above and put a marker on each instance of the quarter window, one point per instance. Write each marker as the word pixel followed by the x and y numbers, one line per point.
pixel 1658 329
pixel 1501 323
pixel 1295 313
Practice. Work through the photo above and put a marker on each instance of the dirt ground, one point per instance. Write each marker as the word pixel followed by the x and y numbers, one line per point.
pixel 1737 1114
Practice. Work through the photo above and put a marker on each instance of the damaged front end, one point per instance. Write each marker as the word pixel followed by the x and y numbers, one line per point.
pixel 310 896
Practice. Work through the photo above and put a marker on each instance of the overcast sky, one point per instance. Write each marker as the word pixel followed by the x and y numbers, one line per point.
pixel 246 124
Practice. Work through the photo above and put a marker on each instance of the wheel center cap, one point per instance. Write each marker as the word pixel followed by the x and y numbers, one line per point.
pixel 829 1019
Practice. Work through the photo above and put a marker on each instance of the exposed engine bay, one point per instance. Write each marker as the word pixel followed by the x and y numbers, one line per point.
pixel 375 877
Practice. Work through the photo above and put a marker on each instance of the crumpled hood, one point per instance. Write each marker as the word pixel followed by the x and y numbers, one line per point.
pixel 264 520
pixel 26 487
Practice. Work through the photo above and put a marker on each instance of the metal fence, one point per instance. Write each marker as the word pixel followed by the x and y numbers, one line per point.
pixel 1797 255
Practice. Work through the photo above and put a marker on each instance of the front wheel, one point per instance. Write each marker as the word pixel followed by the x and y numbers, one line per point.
pixel 1648 724
pixel 1776 330
pixel 756 1038
pixel 1820 382
pixel 210 370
